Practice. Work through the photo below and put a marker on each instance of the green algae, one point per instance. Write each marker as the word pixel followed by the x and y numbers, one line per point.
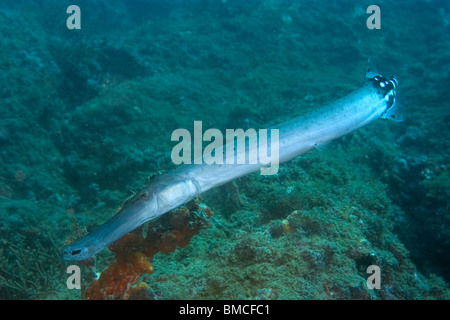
pixel 79 149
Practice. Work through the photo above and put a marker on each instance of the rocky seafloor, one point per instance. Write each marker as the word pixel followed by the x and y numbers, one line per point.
pixel 87 115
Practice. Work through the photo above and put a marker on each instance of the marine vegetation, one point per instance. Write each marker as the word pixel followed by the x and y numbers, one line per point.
pixel 134 252
pixel 86 117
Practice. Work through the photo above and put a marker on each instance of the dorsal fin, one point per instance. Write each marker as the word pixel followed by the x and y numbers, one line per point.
pixel 371 70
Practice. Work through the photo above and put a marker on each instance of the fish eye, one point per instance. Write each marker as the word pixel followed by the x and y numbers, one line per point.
pixel 144 195
pixel 75 252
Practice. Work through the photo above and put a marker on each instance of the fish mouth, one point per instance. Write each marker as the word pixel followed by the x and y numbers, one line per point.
pixel 71 253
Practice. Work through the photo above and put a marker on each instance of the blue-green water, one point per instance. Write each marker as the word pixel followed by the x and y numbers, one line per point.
pixel 86 116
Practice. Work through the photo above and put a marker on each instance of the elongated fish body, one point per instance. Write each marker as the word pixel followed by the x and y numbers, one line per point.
pixel 375 99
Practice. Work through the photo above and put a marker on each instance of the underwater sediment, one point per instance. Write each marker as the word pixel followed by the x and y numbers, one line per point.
pixel 86 119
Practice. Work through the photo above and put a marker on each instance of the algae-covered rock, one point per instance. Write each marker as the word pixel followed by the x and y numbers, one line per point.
pixel 87 116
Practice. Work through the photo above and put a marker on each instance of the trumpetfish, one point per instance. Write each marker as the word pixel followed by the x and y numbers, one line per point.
pixel 375 99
